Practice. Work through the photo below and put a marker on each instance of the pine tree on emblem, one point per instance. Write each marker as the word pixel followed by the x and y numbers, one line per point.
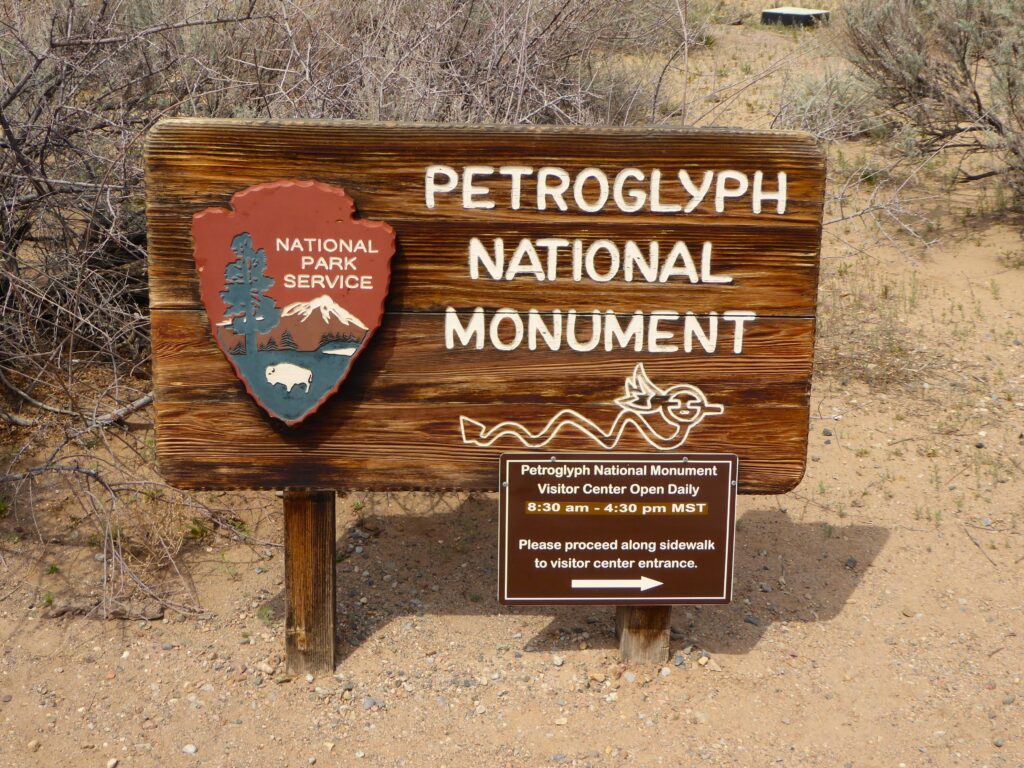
pixel 287 342
pixel 245 284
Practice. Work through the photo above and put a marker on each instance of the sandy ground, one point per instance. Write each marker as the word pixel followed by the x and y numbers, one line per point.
pixel 877 618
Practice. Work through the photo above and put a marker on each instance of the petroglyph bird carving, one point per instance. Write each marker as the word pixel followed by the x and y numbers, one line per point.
pixel 663 417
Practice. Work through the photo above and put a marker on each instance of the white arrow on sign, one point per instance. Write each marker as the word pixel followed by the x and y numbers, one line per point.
pixel 643 583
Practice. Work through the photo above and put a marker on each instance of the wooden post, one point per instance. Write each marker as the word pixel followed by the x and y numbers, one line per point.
pixel 643 632
pixel 309 581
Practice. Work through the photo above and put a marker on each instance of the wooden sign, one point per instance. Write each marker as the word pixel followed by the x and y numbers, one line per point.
pixel 618 529
pixel 552 289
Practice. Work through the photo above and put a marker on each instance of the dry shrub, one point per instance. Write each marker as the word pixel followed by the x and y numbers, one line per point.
pixel 833 107
pixel 953 71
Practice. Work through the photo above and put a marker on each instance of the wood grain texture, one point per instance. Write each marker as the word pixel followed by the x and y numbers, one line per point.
pixel 309 523
pixel 409 392
pixel 395 423
pixel 643 632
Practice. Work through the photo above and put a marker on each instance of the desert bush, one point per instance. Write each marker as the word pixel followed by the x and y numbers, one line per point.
pixel 952 71
pixel 833 107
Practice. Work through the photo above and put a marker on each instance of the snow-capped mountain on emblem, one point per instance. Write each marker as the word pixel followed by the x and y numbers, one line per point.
pixel 294 286
pixel 328 310
pixel 319 324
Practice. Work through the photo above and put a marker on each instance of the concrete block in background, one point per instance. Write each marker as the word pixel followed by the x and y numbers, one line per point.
pixel 791 16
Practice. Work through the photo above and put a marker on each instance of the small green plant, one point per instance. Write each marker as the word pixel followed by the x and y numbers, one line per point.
pixel 475 597
pixel 5 507
pixel 153 493
pixel 48 599
pixel 229 568
pixel 197 529
pixel 52 569
pixel 1012 260
pixel 265 615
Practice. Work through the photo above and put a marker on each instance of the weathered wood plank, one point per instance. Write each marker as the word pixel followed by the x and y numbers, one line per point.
pixel 776 351
pixel 373 445
pixel 203 162
pixel 643 632
pixel 774 270
pixel 415 407
pixel 309 575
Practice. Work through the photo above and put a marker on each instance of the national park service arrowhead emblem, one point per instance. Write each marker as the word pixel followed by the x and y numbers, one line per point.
pixel 294 287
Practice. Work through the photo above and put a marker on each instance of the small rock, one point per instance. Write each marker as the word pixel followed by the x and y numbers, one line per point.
pixel 190 749
pixel 764 586
pixel 265 668
pixel 665 672
pixel 1009 699
pixel 679 660
pixel 312 761
pixel 309 678
pixel 6 698
pixel 167 647
pixel 851 563
pixel 561 721
pixel 713 666
pixel 557 660
pixel 34 745
pixel 750 619
pixel 112 762
pixel 979 444
pixel 826 432
pixel 360 754
pixel 480 709
pixel 629 677
pixel 999 742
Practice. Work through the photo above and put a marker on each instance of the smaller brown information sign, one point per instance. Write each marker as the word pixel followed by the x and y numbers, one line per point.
pixel 627 528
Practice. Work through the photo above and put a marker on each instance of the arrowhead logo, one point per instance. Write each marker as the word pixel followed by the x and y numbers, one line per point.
pixel 294 287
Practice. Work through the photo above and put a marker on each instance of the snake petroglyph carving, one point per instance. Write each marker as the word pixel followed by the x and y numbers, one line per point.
pixel 680 408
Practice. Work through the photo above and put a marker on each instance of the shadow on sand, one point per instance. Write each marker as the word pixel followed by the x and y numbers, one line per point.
pixel 443 561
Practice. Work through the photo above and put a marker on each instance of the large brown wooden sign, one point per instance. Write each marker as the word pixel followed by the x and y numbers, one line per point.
pixel 552 289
